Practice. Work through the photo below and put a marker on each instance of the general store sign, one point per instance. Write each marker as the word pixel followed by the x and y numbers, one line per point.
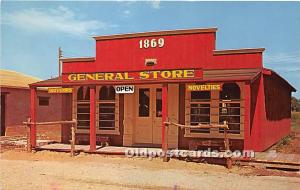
pixel 135 76
pixel 204 87
pixel 60 90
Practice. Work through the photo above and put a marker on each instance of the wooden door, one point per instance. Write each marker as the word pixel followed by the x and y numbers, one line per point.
pixel 156 114
pixel 148 115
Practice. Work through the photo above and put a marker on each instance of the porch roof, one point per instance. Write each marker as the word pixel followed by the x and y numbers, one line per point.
pixel 216 75
pixel 57 81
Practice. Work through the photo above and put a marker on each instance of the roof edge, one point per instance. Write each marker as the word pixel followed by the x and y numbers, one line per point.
pixel 48 82
pixel 156 33
pixel 20 88
pixel 239 51
pixel 75 59
pixel 15 87
pixel 272 71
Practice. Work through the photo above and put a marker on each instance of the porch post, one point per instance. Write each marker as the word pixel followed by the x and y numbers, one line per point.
pixel 33 117
pixel 247 122
pixel 92 119
pixel 164 118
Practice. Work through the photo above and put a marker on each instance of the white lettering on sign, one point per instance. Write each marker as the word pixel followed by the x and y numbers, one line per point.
pixel 153 43
pixel 124 89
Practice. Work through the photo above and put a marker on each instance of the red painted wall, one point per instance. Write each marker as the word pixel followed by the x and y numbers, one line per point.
pixel 264 131
pixel 236 61
pixel 179 51
pixel 17 107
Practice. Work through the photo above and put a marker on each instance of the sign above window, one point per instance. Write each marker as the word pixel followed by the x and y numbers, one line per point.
pixel 60 90
pixel 153 75
pixel 124 89
pixel 204 87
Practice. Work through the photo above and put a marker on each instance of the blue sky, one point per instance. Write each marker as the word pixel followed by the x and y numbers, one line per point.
pixel 32 31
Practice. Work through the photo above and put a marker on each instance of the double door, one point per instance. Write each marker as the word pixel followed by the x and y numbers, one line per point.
pixel 148 123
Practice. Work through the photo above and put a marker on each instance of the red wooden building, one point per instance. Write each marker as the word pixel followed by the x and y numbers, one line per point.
pixel 177 76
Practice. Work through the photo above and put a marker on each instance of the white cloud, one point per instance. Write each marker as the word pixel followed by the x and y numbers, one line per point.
pixel 292 57
pixel 127 12
pixel 284 62
pixel 61 19
pixel 155 4
pixel 127 2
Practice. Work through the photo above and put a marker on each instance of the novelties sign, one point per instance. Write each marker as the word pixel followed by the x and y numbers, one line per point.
pixel 204 87
pixel 60 90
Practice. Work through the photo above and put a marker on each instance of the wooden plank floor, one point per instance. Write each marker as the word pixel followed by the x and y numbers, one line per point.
pixel 85 148
pixel 277 158
pixel 260 157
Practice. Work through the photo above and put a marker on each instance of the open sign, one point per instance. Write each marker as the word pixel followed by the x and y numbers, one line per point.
pixel 124 89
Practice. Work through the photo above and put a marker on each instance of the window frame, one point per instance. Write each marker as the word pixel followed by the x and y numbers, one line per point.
pixel 116 131
pixel 225 101
pixel 207 103
pixel 41 98
pixel 214 115
pixel 75 107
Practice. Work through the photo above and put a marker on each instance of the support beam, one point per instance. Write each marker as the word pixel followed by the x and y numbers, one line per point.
pixel 33 117
pixel 92 119
pixel 164 142
pixel 247 123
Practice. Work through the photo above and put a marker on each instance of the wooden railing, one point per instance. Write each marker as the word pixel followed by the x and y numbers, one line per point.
pixel 205 126
pixel 29 125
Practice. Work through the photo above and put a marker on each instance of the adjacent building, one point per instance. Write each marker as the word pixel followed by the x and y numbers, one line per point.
pixel 15 106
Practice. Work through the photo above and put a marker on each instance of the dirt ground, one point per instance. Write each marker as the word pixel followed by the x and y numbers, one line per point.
pixel 291 143
pixel 58 171
pixel 53 170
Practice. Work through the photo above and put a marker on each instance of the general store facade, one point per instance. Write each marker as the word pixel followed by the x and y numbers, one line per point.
pixel 176 76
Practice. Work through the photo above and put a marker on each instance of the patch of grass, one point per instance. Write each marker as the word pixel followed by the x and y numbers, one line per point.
pixel 296 116
pixel 295 121
pixel 284 142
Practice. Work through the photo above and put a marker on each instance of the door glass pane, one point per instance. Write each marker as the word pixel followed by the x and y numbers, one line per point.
pixel 158 102
pixel 144 102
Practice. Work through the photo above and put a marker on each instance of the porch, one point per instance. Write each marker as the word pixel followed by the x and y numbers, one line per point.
pixel 138 118
pixel 261 159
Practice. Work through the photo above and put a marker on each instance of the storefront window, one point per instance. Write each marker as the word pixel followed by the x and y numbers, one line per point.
pixel 200 110
pixel 107 108
pixel 83 108
pixel 144 102
pixel 229 107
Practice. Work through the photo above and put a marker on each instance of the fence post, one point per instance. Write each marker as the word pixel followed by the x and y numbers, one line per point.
pixel 165 148
pixel 28 125
pixel 73 139
pixel 226 142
